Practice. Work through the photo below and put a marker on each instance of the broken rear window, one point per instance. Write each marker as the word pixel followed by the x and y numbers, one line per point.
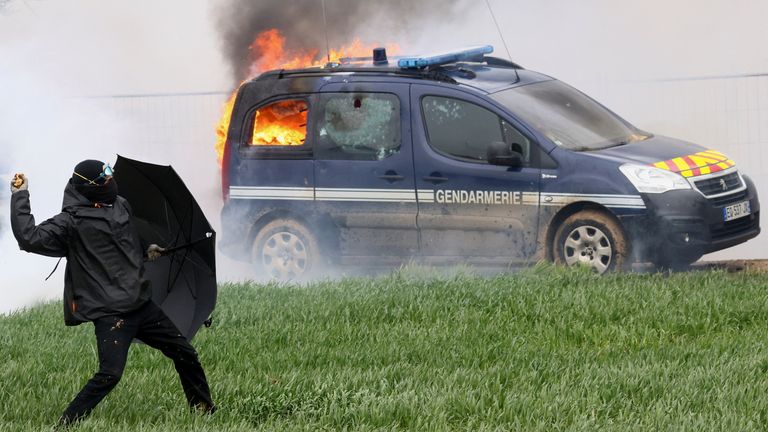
pixel 361 126
pixel 282 123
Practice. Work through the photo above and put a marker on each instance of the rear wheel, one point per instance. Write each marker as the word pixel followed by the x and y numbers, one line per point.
pixel 591 238
pixel 286 250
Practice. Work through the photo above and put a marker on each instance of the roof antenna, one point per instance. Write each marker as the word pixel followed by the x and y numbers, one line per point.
pixel 325 26
pixel 497 28
pixel 506 48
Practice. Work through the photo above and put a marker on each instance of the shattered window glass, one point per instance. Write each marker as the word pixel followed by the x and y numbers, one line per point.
pixel 362 126
pixel 282 123
pixel 464 130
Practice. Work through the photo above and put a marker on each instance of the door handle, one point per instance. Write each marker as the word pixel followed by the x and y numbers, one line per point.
pixel 435 178
pixel 391 176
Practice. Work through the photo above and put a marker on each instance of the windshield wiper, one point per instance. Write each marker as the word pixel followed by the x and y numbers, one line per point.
pixel 596 148
pixel 620 142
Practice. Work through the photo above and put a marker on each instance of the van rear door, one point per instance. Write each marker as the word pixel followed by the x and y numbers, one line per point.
pixel 363 168
pixel 467 207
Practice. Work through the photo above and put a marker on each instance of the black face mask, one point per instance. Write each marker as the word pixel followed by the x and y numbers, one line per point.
pixel 104 194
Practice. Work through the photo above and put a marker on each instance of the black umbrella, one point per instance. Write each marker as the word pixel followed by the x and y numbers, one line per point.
pixel 165 213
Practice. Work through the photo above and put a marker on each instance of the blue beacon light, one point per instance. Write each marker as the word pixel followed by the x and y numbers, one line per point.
pixel 466 54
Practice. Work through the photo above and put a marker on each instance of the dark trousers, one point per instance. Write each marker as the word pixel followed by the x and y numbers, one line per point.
pixel 113 337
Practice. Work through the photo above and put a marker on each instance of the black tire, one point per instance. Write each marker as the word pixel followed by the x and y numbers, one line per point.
pixel 286 250
pixel 593 238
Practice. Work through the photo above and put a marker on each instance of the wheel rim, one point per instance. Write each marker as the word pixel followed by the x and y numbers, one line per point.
pixel 590 246
pixel 284 256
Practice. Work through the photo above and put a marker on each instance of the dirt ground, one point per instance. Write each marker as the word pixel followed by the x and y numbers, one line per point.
pixel 756 265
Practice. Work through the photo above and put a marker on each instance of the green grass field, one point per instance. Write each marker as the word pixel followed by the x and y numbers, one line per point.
pixel 545 349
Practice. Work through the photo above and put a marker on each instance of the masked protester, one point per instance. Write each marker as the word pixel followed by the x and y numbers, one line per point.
pixel 103 282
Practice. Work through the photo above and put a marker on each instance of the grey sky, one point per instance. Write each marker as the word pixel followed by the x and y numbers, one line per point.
pixel 108 47
pixel 95 47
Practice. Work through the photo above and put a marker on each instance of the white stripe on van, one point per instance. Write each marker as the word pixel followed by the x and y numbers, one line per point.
pixel 426 196
pixel 611 201
pixel 373 195
pixel 271 193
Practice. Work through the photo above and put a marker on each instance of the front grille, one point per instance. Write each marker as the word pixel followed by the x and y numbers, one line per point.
pixel 717 185
pixel 729 199
pixel 734 227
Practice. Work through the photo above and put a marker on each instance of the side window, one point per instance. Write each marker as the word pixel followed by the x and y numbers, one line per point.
pixel 464 130
pixel 281 123
pixel 358 126
pixel 518 141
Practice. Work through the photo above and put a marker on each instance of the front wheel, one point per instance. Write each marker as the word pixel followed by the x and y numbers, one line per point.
pixel 591 238
pixel 286 250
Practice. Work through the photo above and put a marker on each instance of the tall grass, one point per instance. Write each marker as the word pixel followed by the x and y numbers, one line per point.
pixel 545 349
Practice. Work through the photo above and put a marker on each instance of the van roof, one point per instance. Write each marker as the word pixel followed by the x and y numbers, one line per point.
pixel 489 75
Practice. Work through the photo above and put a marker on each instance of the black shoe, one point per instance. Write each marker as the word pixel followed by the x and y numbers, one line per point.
pixel 204 408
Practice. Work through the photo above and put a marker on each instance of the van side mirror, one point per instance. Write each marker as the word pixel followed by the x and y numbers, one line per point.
pixel 501 153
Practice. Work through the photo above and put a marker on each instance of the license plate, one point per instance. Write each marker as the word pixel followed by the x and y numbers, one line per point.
pixel 736 211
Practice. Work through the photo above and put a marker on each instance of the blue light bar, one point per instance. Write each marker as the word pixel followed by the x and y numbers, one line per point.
pixel 467 54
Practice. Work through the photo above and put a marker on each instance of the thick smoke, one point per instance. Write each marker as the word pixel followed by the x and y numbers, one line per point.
pixel 53 56
pixel 66 133
pixel 301 22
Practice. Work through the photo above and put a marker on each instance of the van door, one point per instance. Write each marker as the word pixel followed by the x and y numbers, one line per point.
pixel 364 168
pixel 468 207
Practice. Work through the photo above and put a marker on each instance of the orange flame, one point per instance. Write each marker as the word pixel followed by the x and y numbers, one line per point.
pixel 268 52
pixel 223 125
pixel 281 123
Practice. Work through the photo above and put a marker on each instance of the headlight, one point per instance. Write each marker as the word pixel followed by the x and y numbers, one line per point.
pixel 648 179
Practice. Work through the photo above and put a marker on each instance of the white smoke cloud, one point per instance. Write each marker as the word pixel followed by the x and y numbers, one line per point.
pixel 44 136
pixel 53 56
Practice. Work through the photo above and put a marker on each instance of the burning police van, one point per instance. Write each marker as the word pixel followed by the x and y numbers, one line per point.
pixel 462 157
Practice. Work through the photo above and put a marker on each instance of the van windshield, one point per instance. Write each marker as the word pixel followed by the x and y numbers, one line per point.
pixel 568 117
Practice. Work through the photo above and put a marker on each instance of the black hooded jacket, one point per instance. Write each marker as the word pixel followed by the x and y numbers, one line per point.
pixel 105 259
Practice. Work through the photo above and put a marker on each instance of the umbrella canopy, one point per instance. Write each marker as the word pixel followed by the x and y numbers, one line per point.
pixel 165 213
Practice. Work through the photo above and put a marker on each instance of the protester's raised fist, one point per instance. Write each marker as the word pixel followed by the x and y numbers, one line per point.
pixel 20 182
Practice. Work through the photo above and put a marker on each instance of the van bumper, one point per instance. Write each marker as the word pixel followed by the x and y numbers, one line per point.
pixel 684 225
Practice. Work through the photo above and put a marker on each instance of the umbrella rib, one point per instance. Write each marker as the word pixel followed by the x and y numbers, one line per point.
pixel 178 273
pixel 180 233
pixel 167 217
pixel 189 287
pixel 198 265
pixel 170 284
pixel 175 242
pixel 172 280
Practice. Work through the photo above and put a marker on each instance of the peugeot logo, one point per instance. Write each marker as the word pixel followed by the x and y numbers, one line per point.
pixel 723 185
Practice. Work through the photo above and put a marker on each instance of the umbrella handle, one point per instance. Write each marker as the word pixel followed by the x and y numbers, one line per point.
pixel 169 251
